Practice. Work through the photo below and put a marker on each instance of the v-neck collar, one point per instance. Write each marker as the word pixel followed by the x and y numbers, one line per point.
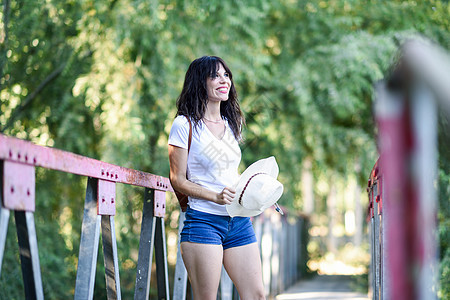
pixel 211 133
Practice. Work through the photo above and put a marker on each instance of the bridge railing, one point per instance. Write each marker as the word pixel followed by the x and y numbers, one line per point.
pixel 282 239
pixel 18 160
pixel 402 193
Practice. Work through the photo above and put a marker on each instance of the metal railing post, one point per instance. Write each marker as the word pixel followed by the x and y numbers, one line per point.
pixel 406 115
pixel 424 124
pixel 18 194
pixel 162 275
pixel 29 256
pixel 226 286
pixel 99 211
pixel 376 218
pixel 152 225
pixel 90 235
pixel 110 257
pixel 146 243
pixel 266 254
pixel 372 276
pixel 385 277
pixel 181 277
pixel 377 234
pixel 106 208
pixel 275 273
pixel 4 219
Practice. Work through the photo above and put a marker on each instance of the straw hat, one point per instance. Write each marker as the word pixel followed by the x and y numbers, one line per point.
pixel 257 189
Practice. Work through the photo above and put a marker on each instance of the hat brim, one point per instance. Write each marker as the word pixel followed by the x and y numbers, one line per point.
pixel 276 190
pixel 266 166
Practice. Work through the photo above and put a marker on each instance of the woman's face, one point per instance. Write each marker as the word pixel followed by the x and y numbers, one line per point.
pixel 218 86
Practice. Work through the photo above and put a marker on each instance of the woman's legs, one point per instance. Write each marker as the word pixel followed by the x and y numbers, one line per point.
pixel 204 265
pixel 243 265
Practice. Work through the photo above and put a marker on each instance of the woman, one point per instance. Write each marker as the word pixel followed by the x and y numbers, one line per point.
pixel 210 237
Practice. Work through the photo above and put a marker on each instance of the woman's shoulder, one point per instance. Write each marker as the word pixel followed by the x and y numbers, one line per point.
pixel 180 121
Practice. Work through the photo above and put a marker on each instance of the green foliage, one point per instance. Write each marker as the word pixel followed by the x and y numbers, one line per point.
pixel 100 78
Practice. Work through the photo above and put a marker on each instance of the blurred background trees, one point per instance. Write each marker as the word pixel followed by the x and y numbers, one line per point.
pixel 100 78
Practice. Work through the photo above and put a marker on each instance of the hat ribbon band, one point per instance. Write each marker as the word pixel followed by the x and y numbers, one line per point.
pixel 248 181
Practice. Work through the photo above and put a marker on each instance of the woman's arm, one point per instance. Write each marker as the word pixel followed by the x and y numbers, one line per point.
pixel 178 162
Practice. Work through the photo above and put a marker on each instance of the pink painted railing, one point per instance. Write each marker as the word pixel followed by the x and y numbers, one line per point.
pixel 18 160
pixel 402 195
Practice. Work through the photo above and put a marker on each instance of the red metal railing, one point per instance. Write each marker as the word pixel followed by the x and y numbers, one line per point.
pixel 18 160
pixel 402 195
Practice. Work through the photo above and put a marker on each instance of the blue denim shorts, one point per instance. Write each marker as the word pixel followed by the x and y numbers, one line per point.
pixel 204 228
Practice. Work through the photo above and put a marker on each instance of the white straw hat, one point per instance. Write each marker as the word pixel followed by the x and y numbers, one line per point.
pixel 257 189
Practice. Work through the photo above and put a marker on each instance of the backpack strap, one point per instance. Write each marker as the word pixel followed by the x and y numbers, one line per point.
pixel 190 134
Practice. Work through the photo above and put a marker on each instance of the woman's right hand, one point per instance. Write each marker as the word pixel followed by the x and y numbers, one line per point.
pixel 225 196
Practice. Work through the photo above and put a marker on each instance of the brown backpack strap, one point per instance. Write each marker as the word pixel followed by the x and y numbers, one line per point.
pixel 190 134
pixel 189 140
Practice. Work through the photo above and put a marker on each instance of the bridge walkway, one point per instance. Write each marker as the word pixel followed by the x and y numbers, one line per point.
pixel 323 287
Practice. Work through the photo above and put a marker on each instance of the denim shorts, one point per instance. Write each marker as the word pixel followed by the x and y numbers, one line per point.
pixel 204 228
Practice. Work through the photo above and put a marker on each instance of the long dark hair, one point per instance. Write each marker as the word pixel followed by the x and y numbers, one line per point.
pixel 193 98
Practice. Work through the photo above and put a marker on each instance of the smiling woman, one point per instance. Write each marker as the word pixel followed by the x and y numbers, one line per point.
pixel 204 162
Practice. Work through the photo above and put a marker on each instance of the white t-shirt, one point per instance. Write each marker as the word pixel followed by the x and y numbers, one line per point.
pixel 212 163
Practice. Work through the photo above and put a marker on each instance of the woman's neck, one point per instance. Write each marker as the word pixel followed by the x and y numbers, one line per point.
pixel 212 112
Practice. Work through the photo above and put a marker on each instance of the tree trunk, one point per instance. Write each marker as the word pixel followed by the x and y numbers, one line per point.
pixel 331 210
pixel 307 185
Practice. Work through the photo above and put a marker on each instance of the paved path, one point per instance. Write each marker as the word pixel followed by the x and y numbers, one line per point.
pixel 321 287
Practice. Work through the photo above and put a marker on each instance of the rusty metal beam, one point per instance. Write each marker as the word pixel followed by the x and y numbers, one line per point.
pixel 16 150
